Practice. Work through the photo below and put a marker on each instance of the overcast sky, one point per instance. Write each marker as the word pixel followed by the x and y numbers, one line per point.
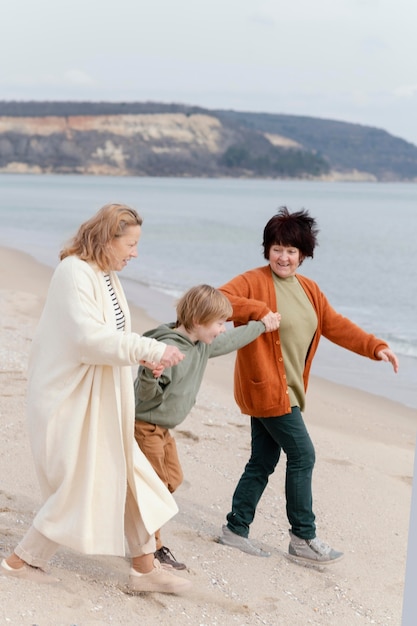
pixel 348 60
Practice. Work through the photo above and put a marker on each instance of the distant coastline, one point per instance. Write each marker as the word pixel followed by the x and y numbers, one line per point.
pixel 160 140
pixel 332 176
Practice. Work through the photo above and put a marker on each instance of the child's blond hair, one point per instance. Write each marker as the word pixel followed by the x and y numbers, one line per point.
pixel 202 304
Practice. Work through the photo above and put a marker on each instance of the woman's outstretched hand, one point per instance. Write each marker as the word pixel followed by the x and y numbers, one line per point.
pixel 388 355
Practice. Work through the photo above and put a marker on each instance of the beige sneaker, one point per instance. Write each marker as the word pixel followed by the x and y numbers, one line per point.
pixel 27 572
pixel 157 580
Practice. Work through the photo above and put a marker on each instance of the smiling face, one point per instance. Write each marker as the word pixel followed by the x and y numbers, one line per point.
pixel 284 260
pixel 206 333
pixel 124 247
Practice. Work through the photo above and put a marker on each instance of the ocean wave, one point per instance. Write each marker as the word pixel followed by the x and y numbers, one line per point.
pixel 401 344
pixel 402 347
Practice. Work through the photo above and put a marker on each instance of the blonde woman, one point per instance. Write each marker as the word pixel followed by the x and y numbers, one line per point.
pixel 97 487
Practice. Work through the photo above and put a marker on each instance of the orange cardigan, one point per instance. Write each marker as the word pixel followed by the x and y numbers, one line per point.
pixel 259 381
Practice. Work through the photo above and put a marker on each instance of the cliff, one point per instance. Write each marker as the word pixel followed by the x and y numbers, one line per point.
pixel 142 145
pixel 151 139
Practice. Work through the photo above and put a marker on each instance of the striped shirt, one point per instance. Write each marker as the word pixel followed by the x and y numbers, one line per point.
pixel 120 317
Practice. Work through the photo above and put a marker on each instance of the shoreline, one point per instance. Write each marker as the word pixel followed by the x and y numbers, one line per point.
pixel 362 488
pixel 332 363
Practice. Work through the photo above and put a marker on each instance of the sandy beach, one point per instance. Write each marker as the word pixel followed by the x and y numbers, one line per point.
pixel 362 492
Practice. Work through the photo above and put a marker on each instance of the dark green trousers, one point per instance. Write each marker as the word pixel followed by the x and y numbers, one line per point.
pixel 270 435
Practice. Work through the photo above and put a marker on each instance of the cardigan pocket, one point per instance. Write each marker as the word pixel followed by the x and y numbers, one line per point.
pixel 259 394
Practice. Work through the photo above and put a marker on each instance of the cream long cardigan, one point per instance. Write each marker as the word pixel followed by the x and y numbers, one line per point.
pixel 80 408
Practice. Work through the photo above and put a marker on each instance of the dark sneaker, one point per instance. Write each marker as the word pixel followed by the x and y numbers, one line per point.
pixel 157 580
pixel 168 560
pixel 312 550
pixel 233 540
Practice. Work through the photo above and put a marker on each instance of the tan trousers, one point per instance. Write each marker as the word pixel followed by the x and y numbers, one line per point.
pixel 37 550
pixel 160 449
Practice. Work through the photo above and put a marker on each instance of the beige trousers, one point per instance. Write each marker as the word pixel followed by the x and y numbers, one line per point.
pixel 37 550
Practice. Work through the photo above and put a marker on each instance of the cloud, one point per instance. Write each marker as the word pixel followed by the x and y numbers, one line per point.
pixel 262 20
pixel 72 77
pixel 78 77
pixel 405 91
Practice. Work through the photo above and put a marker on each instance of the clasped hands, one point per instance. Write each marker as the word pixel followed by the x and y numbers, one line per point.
pixel 271 321
pixel 172 355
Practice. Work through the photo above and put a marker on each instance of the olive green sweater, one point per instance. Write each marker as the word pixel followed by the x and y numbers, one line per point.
pixel 167 400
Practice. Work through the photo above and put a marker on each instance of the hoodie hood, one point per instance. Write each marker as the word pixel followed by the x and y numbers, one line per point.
pixel 167 333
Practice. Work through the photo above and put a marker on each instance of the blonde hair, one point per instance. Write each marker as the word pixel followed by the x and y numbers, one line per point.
pixel 90 241
pixel 201 305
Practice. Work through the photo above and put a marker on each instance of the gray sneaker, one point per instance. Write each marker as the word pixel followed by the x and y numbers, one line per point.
pixel 233 540
pixel 312 550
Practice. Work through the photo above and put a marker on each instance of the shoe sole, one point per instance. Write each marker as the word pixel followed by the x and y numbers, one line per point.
pixel 172 568
pixel 154 588
pixel 252 551
pixel 306 561
pixel 32 575
pixel 168 563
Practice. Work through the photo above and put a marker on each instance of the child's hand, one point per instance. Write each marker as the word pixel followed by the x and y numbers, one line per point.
pixel 271 321
pixel 172 356
pixel 157 369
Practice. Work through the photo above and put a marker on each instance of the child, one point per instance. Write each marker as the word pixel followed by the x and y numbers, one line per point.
pixel 164 397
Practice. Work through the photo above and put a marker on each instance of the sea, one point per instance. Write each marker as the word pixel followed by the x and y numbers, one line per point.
pixel 208 230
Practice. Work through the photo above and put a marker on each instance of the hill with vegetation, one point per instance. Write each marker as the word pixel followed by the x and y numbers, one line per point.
pixel 156 139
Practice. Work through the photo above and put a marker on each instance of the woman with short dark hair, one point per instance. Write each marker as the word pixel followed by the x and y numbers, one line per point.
pixel 271 379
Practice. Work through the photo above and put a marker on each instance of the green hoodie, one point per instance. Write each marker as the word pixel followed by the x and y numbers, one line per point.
pixel 167 400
